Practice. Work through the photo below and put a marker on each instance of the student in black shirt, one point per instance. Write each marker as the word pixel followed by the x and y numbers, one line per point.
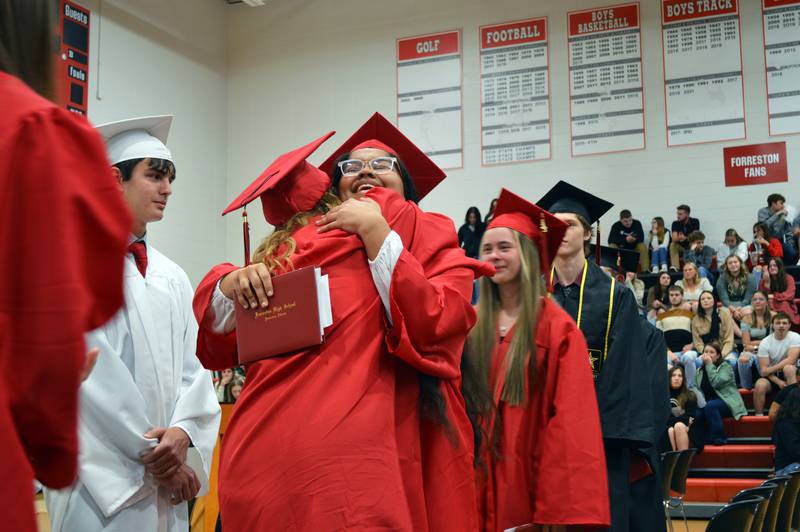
pixel 681 228
pixel 786 435
pixel 627 233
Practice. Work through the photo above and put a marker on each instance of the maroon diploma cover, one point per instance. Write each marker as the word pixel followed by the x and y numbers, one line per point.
pixel 289 323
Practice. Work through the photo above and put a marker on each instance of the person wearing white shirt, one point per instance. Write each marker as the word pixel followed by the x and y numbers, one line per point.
pixel 777 360
pixel 149 412
pixel 732 245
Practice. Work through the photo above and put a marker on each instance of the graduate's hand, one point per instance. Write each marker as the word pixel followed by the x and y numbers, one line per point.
pixel 361 216
pixel 88 365
pixel 251 285
pixel 170 453
pixel 182 486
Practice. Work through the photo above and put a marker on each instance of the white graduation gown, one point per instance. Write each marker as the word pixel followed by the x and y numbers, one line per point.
pixel 147 375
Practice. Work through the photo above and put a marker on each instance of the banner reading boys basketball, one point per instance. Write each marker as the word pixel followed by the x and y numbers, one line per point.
pixel 515 92
pixel 605 80
pixel 782 56
pixel 703 82
pixel 755 164
pixel 429 97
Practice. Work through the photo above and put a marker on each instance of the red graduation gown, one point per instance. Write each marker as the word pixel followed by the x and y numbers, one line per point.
pixel 63 228
pixel 331 437
pixel 550 467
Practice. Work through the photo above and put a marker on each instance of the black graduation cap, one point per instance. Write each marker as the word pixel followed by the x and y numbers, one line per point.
pixel 564 197
pixel 618 259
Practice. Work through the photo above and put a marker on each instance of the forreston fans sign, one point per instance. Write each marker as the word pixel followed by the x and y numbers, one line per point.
pixel 755 164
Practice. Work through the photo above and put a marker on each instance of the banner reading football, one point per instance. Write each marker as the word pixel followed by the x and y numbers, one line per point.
pixel 755 164
pixel 605 80
pixel 515 92
pixel 429 95
pixel 781 19
pixel 703 83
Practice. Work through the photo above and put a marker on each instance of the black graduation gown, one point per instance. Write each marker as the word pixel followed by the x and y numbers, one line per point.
pixel 619 358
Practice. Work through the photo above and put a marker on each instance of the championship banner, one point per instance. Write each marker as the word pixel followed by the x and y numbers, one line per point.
pixel 605 80
pixel 515 92
pixel 781 20
pixel 429 108
pixel 703 84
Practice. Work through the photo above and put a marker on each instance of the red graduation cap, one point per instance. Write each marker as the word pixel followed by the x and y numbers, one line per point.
pixel 542 228
pixel 377 132
pixel 289 185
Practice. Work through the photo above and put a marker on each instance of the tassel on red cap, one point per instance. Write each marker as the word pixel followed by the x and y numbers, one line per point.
pixel 246 237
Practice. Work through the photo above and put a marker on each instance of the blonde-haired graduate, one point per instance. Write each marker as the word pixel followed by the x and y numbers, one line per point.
pixel 528 386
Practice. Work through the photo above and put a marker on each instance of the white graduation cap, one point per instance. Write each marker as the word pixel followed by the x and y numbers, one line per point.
pixel 137 138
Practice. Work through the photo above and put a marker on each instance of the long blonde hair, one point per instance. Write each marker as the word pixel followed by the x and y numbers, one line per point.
pixel 521 354
pixel 276 249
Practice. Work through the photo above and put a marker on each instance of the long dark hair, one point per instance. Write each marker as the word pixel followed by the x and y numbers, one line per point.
pixel 26 43
pixel 713 332
pixel 685 394
pixel 718 348
pixel 777 282
pixel 790 407
pixel 431 401
pixel 661 293
pixel 474 210
pixel 409 190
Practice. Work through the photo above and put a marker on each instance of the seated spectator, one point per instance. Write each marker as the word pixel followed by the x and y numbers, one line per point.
pixel 777 360
pixel 627 233
pixel 700 254
pixel 675 321
pixel 490 214
pixel 236 387
pixel 779 399
pixel 693 285
pixel 223 386
pixel 659 245
pixel 658 296
pixel 636 285
pixel 714 324
pixel 735 287
pixel 755 327
pixel 780 289
pixel 683 402
pixel 775 216
pixel 732 245
pixel 786 434
pixel 470 234
pixel 681 228
pixel 762 249
pixel 715 379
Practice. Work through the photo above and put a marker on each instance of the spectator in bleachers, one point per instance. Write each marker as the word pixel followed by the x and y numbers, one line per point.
pixel 700 254
pixel 223 386
pixel 470 234
pixel 762 249
pixel 636 285
pixel 780 289
pixel 755 327
pixel 627 233
pixel 775 216
pixel 659 245
pixel 777 360
pixel 732 245
pixel 715 379
pixel 779 399
pixel 676 323
pixel 490 214
pixel 681 228
pixel 236 387
pixel 735 287
pixel 683 402
pixel 658 296
pixel 714 324
pixel 693 285
pixel 786 435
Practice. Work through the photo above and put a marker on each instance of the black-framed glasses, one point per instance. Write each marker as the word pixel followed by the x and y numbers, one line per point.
pixel 379 165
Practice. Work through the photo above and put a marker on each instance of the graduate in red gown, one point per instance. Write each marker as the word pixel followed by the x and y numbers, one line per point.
pixel 335 437
pixel 63 229
pixel 539 440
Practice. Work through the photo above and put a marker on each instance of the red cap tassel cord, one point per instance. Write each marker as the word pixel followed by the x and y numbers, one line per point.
pixel 246 236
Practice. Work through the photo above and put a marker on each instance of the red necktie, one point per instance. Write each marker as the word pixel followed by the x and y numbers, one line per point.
pixel 139 252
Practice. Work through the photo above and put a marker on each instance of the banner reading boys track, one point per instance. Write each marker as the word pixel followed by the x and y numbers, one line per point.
pixel 515 92
pixel 605 80
pixel 429 108
pixel 782 57
pixel 755 164
pixel 703 83
pixel 73 62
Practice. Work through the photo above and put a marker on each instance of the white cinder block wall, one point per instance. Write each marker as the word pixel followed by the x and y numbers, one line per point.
pixel 247 84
